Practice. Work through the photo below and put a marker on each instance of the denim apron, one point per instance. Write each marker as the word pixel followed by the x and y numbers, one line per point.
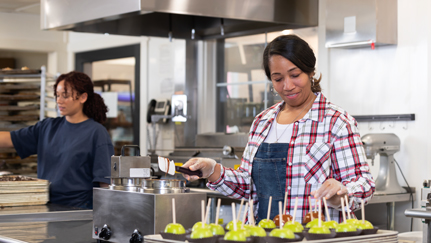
pixel 269 176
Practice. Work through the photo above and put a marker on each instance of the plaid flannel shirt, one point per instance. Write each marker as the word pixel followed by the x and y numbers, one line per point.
pixel 325 144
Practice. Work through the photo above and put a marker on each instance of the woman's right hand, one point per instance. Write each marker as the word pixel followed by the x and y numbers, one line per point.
pixel 332 190
pixel 206 165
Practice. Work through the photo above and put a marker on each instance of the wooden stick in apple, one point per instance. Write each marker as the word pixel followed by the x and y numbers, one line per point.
pixel 208 211
pixel 326 209
pixel 311 208
pixel 363 211
pixel 203 212
pixel 245 214
pixel 251 218
pixel 240 208
pixel 234 217
pixel 269 208
pixel 294 209
pixel 347 207
pixel 280 210
pixel 342 210
pixel 217 211
pixel 320 214
pixel 174 219
pixel 285 200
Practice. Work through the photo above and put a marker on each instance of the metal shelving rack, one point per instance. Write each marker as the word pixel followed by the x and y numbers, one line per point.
pixel 29 86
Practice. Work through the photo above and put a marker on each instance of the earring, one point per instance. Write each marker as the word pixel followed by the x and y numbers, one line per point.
pixel 272 90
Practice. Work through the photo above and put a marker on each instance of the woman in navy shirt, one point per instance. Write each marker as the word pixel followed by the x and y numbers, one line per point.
pixel 73 151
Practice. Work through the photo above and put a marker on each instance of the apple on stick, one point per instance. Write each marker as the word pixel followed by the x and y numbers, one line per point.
pixel 174 228
pixel 281 232
pixel 215 228
pixel 267 223
pixel 363 224
pixel 319 228
pixel 235 235
pixel 293 225
pixel 254 230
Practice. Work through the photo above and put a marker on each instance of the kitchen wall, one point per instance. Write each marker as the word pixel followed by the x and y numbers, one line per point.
pixel 389 80
pixel 21 32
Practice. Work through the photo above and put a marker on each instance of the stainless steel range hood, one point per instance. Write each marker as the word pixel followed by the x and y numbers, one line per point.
pixel 208 18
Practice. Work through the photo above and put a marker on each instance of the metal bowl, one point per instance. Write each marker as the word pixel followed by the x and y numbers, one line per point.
pixel 162 186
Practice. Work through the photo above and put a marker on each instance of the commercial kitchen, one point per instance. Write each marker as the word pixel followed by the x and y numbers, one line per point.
pixel 184 79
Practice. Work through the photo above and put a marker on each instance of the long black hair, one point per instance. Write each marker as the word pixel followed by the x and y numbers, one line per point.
pixel 295 50
pixel 94 107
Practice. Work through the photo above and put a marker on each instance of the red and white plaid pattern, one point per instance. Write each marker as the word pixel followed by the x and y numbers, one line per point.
pixel 325 144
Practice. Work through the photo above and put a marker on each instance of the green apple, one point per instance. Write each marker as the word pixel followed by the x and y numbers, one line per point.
pixel 345 227
pixel 216 229
pixel 235 235
pixel 282 233
pixel 229 226
pixel 351 221
pixel 177 229
pixel 319 230
pixel 312 223
pixel 200 233
pixel 245 231
pixel 257 231
pixel 266 224
pixel 330 224
pixel 365 225
pixel 296 227
pixel 199 225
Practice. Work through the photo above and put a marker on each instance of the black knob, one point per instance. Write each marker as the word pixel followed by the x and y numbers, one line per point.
pixel 136 237
pixel 105 232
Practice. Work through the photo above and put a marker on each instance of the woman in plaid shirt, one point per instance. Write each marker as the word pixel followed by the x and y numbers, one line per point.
pixel 303 145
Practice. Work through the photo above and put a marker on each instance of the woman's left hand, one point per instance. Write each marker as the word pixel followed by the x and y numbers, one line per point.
pixel 332 190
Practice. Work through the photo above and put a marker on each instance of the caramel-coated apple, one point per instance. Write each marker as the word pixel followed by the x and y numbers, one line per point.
pixel 285 218
pixel 315 214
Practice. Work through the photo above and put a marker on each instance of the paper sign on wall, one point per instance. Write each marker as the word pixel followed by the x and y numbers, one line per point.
pixel 111 101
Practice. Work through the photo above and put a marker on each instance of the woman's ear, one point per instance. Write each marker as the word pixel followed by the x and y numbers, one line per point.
pixel 83 97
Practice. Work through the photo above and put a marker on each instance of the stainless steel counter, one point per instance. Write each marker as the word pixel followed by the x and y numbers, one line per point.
pixel 45 224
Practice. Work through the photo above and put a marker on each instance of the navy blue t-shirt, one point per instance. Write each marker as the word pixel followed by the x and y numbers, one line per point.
pixel 70 156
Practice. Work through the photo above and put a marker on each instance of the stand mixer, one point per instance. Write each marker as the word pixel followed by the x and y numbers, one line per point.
pixel 386 145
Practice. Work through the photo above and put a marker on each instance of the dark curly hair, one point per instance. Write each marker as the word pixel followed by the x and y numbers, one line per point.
pixel 295 50
pixel 94 107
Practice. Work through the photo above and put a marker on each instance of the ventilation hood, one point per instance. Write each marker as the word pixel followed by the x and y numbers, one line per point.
pixel 184 19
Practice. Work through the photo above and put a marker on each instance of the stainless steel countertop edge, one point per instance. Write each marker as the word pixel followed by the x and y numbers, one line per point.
pixel 73 215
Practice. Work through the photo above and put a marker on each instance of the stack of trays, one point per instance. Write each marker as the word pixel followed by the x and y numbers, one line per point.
pixel 18 190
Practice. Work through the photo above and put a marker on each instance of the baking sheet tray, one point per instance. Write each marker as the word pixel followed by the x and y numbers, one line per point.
pixel 19 71
pixel 380 237
pixel 9 87
pixel 18 97
pixel 18 108
pixel 20 118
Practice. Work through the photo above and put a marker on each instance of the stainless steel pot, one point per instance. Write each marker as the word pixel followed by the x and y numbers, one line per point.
pixel 126 184
pixel 162 186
